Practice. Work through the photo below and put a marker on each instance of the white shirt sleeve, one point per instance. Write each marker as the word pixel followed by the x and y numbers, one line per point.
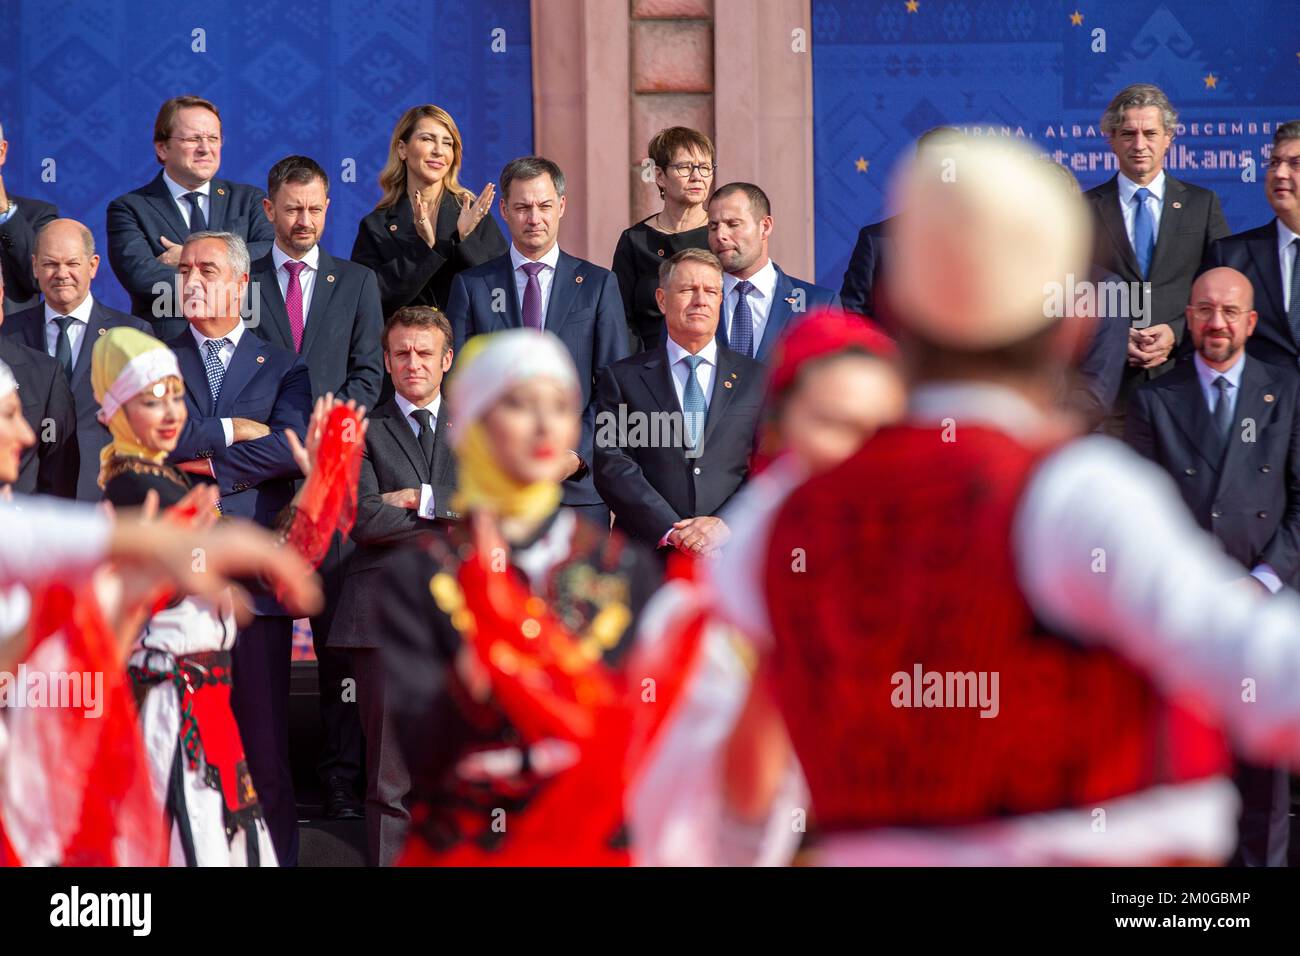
pixel 1108 554
pixel 42 538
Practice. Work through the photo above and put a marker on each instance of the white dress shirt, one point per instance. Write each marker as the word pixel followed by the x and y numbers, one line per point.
pixel 760 299
pixel 544 278
pixel 224 355
pixel 409 407
pixel 76 330
pixel 178 196
pixel 1286 252
pixel 306 278
pixel 703 372
pixel 1128 204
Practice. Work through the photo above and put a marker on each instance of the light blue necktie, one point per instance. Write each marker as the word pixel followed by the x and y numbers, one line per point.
pixel 1144 231
pixel 693 407
pixel 742 321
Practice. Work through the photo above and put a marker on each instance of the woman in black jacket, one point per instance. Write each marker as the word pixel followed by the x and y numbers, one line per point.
pixel 427 227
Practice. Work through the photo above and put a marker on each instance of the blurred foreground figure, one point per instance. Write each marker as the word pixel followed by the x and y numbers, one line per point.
pixel 834 381
pixel 993 643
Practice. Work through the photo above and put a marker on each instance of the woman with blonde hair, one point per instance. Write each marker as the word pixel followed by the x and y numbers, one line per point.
pixel 426 227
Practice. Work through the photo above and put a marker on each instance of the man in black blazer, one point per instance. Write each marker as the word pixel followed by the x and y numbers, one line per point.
pixel 740 224
pixel 676 425
pixel 860 290
pixel 1227 429
pixel 147 227
pixel 243 394
pixel 48 467
pixel 326 310
pixel 66 326
pixel 1268 255
pixel 408 478
pixel 537 285
pixel 21 219
pixel 1150 227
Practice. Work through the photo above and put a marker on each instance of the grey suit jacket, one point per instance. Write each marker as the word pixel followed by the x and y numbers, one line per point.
pixel 393 460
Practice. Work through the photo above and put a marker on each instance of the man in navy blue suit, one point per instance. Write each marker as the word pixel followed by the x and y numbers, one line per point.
pixel 243 394
pixel 147 227
pixel 66 326
pixel 536 285
pixel 754 289
pixel 327 310
pixel 21 218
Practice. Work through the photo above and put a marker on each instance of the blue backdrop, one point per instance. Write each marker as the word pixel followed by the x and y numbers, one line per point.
pixel 885 71
pixel 81 82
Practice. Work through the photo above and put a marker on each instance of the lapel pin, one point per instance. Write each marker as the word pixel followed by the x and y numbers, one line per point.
pixel 577 279
pixel 102 331
pixel 1178 205
pixel 393 228
pixel 726 385
pixel 790 299
pixel 220 191
pixel 733 374
pixel 1268 398
pixel 261 359
pixel 661 252
pixel 329 278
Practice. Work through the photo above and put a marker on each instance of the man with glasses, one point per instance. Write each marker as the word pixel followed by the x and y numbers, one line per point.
pixel 1226 427
pixel 1268 257
pixel 147 227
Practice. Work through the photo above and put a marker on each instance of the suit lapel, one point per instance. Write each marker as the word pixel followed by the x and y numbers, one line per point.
pixel 1263 250
pixel 1186 403
pixel 658 378
pixel 564 286
pixel 193 372
pixel 166 206
pixel 275 324
pixel 1112 219
pixel 94 329
pixel 406 440
pixel 443 460
pixel 218 203
pixel 1256 382
pixel 725 380
pixel 778 315
pixel 318 315
pixel 243 366
pixel 1171 214
pixel 32 333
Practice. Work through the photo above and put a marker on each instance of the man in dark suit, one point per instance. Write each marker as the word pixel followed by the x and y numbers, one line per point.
pixel 21 219
pixel 66 326
pixel 754 289
pixel 326 310
pixel 48 467
pixel 536 285
pixel 243 394
pixel 1269 255
pixel 147 227
pixel 408 478
pixel 1150 227
pixel 667 490
pixel 1227 428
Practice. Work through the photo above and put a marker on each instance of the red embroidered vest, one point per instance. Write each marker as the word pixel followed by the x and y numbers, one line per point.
pixel 892 591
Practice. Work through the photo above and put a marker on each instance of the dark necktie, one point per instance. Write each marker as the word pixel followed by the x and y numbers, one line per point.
pixel 1144 231
pixel 1223 411
pixel 533 296
pixel 742 321
pixel 1293 310
pixel 212 363
pixel 63 344
pixel 424 418
pixel 198 222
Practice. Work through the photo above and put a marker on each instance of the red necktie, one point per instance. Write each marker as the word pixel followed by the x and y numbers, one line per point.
pixel 293 302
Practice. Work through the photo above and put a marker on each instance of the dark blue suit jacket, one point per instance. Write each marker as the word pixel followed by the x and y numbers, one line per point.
pixel 792 299
pixel 29 328
pixel 585 313
pixel 267 384
pixel 17 241
pixel 860 291
pixel 341 339
pixel 1254 254
pixel 1249 498
pixel 138 219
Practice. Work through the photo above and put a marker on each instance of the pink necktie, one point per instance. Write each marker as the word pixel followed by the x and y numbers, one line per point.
pixel 293 302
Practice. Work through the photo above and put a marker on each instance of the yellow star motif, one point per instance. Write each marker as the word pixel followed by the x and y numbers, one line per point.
pixel 913 5
pixel 1211 82
pixel 862 164
pixel 1076 18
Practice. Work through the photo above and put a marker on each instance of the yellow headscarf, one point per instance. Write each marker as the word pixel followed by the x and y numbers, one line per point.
pixel 124 363
pixel 486 368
